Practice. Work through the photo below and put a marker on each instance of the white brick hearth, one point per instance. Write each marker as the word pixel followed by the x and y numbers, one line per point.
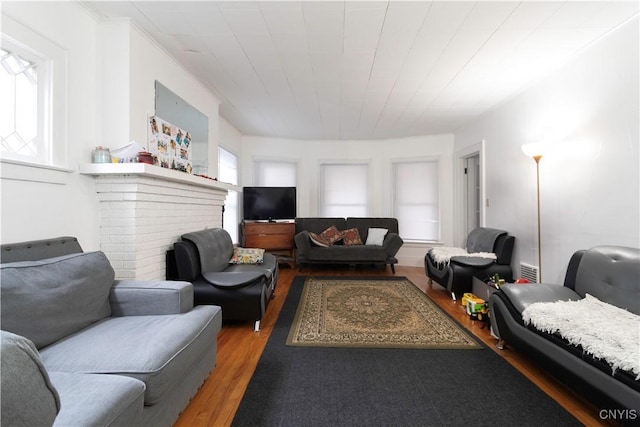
pixel 144 209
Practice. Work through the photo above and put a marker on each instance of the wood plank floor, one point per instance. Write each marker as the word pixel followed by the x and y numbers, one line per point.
pixel 239 349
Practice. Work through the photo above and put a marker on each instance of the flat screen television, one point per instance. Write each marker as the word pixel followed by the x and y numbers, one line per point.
pixel 268 203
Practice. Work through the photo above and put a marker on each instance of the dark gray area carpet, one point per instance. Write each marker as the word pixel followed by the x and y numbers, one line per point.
pixel 311 386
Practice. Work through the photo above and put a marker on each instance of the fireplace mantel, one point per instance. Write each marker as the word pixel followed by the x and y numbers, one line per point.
pixel 144 209
pixel 151 171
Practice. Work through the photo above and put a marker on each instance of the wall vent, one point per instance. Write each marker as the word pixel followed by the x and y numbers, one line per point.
pixel 530 272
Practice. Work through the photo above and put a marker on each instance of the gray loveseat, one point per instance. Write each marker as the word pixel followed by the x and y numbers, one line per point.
pixel 308 252
pixel 609 273
pixel 82 349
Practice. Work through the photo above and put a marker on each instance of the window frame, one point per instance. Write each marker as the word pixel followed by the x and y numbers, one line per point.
pixel 52 68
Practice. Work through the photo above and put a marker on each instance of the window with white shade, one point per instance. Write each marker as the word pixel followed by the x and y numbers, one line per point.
pixel 228 172
pixel 275 173
pixel 415 199
pixel 343 190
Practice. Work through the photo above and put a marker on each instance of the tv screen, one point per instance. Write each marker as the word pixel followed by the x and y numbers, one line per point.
pixel 268 203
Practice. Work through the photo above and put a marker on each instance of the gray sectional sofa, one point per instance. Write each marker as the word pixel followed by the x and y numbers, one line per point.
pixel 82 349
pixel 307 252
pixel 610 274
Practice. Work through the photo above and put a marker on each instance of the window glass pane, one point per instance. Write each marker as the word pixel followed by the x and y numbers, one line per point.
pixel 415 200
pixel 343 190
pixel 18 105
pixel 227 166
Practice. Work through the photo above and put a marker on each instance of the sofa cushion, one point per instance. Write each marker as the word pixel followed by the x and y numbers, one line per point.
pixel 521 296
pixel 158 350
pixel 25 381
pixel 351 237
pixel 98 400
pixel 49 299
pixel 611 274
pixel 343 253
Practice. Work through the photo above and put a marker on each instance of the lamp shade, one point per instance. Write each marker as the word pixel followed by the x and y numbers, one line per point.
pixel 535 149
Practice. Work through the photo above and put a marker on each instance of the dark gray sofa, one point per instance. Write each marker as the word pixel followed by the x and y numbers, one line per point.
pixel 309 253
pixel 82 349
pixel 242 290
pixel 608 273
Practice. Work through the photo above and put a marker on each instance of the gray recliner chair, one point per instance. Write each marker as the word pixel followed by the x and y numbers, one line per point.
pixel 457 275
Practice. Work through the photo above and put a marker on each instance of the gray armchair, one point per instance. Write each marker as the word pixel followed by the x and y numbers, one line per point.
pixel 456 276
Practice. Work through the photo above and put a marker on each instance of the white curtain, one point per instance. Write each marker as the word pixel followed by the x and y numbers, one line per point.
pixel 415 199
pixel 275 173
pixel 343 190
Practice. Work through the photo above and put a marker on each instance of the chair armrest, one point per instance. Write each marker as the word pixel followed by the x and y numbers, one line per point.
pixel 141 298
pixel 472 261
pixel 392 243
pixel 234 280
pixel 303 242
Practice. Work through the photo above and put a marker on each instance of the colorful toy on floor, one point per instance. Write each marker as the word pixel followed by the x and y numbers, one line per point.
pixel 477 308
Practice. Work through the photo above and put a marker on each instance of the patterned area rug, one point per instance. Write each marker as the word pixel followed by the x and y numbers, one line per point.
pixel 373 313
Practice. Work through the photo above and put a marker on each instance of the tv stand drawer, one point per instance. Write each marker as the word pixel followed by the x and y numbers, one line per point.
pixel 257 228
pixel 268 235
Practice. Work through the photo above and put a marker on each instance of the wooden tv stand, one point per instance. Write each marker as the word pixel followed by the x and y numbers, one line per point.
pixel 275 237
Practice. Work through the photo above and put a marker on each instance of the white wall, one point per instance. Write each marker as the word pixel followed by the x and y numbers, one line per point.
pixel 379 154
pixel 588 109
pixel 40 203
pixel 229 138
pixel 112 69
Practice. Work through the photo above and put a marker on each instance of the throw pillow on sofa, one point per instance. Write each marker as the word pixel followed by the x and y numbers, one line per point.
pixel 318 240
pixel 327 238
pixel 247 256
pixel 375 236
pixel 351 237
pixel 331 235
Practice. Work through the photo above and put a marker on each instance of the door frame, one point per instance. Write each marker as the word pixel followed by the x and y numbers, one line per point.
pixel 460 208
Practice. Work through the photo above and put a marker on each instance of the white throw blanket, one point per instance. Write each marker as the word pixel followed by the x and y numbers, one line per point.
pixel 603 330
pixel 442 255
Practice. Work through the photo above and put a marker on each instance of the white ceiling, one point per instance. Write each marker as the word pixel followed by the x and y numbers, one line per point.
pixel 367 69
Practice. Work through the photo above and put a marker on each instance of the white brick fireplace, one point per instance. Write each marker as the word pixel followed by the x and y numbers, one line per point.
pixel 144 209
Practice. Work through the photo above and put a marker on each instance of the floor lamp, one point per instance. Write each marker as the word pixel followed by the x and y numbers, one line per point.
pixel 536 151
